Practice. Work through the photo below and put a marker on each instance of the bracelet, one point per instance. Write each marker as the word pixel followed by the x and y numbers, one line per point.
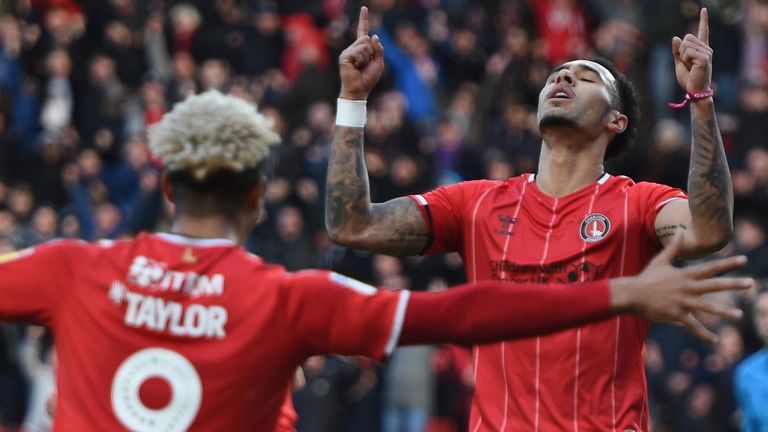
pixel 704 94
pixel 351 113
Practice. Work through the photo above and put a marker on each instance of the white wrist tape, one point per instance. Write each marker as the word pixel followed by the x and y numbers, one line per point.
pixel 351 113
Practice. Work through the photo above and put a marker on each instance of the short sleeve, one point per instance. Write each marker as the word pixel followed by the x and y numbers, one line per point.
pixel 651 198
pixel 332 314
pixel 32 281
pixel 444 209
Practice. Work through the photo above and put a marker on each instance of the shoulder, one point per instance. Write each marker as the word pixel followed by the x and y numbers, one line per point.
pixel 475 188
pixel 644 187
pixel 473 185
pixel 635 186
pixel 252 266
pixel 327 282
pixel 301 277
pixel 654 194
pixel 62 247
pixel 456 195
pixel 55 250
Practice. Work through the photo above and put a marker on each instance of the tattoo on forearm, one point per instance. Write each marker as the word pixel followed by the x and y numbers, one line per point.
pixel 709 180
pixel 395 227
pixel 347 189
pixel 667 231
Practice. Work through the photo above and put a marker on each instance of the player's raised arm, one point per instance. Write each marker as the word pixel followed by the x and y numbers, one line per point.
pixel 395 227
pixel 707 218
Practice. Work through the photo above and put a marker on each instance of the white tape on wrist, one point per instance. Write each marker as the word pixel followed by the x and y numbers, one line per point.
pixel 351 113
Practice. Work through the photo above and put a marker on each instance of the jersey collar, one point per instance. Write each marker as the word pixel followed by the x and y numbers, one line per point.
pixel 603 178
pixel 196 242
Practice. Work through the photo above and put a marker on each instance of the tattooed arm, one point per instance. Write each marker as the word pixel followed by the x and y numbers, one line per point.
pixel 395 227
pixel 707 219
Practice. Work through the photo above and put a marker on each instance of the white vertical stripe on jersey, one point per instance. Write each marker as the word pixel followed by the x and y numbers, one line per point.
pixel 503 273
pixel 642 411
pixel 618 320
pixel 476 356
pixel 602 180
pixel 479 422
pixel 536 384
pixel 538 339
pixel 474 234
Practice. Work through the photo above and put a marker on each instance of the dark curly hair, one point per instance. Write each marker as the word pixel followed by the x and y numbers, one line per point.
pixel 626 102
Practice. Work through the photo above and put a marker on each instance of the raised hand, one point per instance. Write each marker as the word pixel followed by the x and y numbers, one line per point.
pixel 693 58
pixel 362 63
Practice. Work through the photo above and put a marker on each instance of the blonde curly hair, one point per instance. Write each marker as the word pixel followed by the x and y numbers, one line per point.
pixel 212 132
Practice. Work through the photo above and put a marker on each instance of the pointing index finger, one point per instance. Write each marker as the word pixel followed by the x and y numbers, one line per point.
pixel 362 23
pixel 704 26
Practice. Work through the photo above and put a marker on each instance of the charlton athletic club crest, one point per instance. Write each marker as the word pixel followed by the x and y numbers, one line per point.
pixel 595 227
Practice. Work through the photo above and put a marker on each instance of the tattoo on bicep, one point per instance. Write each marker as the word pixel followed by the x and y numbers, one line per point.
pixel 667 231
pixel 399 222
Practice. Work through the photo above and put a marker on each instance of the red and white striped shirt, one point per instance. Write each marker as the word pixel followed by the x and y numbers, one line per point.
pixel 587 378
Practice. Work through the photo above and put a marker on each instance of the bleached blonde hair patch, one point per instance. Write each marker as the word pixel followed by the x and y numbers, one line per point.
pixel 211 132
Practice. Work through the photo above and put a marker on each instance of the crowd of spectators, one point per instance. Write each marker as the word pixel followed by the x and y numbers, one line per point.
pixel 80 82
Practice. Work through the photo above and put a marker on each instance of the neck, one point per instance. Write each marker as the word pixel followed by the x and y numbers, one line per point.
pixel 567 165
pixel 208 227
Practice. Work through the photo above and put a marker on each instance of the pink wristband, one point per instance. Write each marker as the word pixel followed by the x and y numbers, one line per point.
pixel 692 97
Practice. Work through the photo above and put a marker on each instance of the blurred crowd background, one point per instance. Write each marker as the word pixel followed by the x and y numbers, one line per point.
pixel 80 82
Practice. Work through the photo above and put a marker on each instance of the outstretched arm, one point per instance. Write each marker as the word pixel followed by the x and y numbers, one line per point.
pixel 490 311
pixel 707 219
pixel 330 313
pixel 395 227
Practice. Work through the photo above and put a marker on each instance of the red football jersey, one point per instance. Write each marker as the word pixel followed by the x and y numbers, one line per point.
pixel 588 378
pixel 170 333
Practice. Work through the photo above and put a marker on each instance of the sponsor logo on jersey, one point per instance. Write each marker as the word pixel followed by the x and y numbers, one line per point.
pixel 189 256
pixel 554 272
pixel 155 275
pixel 595 227
pixel 506 224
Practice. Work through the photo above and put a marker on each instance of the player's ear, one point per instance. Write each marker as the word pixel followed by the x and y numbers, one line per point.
pixel 165 183
pixel 618 122
pixel 255 198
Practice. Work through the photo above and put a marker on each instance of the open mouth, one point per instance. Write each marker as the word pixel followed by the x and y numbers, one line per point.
pixel 560 93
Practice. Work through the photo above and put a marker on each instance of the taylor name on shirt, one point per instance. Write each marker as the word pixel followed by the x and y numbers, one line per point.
pixel 159 315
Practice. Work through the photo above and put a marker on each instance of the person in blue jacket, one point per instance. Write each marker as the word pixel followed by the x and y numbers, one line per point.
pixel 751 380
